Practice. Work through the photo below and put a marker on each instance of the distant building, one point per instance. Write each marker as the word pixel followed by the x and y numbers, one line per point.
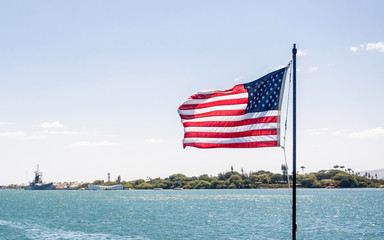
pixel 65 185
pixel 114 187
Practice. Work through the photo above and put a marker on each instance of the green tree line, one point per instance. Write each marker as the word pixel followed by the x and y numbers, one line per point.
pixel 260 179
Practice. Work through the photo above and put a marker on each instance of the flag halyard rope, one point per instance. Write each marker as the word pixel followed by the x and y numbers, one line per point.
pixel 285 130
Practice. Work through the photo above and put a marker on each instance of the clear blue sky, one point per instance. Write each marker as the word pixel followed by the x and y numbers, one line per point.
pixel 91 87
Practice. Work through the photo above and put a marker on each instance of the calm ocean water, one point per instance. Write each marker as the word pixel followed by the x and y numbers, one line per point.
pixel 191 214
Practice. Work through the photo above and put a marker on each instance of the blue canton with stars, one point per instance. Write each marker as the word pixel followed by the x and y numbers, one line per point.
pixel 264 93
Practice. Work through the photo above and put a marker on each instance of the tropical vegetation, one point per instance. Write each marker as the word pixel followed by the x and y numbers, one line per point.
pixel 334 178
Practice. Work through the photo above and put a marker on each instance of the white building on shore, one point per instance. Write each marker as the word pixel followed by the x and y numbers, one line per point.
pixel 114 187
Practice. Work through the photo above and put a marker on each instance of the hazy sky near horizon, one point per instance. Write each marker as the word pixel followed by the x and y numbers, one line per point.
pixel 91 87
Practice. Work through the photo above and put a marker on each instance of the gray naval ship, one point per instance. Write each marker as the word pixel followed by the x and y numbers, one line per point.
pixel 37 183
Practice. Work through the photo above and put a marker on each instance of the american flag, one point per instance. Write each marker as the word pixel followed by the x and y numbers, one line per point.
pixel 245 116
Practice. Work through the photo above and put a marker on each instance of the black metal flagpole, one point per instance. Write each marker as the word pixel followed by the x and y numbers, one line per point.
pixel 294 224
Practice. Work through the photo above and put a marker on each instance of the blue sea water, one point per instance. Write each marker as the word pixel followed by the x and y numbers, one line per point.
pixel 191 214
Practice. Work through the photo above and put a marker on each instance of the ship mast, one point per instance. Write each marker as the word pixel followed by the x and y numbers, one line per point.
pixel 37 175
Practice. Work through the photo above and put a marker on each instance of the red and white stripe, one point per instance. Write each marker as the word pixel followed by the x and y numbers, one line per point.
pixel 217 119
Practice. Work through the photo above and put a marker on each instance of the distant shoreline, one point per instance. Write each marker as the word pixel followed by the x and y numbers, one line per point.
pixel 333 178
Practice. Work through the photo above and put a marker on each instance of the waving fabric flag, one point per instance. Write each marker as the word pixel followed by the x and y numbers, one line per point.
pixel 245 116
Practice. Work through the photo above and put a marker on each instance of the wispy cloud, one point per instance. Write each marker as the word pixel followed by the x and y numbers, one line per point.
pixel 50 132
pixel 339 133
pixel 375 46
pixel 36 137
pixel 378 46
pixel 354 49
pixel 319 131
pixel 364 134
pixel 279 67
pixel 56 124
pixel 312 69
pixel 13 134
pixel 238 79
pixel 153 140
pixel 368 133
pixel 5 123
pixel 69 133
pixel 301 53
pixel 88 144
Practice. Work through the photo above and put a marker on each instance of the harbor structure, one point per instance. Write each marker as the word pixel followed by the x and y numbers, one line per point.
pixel 97 187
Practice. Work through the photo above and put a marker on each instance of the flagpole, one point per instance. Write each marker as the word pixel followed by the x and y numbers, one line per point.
pixel 294 224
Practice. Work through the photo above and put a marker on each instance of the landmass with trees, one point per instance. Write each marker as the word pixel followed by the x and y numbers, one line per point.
pixel 338 177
